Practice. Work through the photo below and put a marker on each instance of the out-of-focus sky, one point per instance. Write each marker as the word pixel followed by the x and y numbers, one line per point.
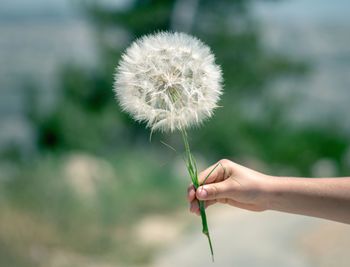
pixel 306 10
pixel 30 7
pixel 316 31
pixel 309 9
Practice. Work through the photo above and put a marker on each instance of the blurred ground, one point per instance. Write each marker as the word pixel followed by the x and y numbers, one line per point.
pixel 244 238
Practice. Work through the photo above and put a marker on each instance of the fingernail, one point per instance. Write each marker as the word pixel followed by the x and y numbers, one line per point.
pixel 202 192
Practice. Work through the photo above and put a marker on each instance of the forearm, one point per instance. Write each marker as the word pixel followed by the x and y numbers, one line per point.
pixel 327 198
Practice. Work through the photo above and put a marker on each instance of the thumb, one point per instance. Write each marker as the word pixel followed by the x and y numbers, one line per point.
pixel 213 191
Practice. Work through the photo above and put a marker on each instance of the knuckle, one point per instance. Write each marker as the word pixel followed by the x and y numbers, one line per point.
pixel 201 174
pixel 214 191
pixel 224 162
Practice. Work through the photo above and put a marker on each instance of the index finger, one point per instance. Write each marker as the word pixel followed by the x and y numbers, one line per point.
pixel 215 173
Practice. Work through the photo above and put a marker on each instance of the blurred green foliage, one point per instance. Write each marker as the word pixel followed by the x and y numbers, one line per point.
pixel 88 118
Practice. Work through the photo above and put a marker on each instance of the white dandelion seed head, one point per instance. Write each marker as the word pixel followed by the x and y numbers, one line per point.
pixel 168 80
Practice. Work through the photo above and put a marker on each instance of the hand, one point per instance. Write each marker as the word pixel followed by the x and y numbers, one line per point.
pixel 231 184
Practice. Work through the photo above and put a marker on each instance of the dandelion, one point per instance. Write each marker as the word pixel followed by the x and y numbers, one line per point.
pixel 170 81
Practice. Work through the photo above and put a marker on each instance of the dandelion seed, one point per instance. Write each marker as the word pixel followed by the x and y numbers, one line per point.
pixel 169 81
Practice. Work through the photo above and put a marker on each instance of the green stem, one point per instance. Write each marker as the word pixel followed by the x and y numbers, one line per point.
pixel 192 170
pixel 205 229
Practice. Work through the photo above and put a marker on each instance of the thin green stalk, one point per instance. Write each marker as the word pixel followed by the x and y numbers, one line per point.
pixel 192 170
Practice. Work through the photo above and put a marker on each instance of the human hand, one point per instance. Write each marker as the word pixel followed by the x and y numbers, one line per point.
pixel 231 184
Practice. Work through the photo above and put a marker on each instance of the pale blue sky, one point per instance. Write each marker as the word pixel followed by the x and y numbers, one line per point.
pixel 304 10
pixel 289 9
pixel 16 7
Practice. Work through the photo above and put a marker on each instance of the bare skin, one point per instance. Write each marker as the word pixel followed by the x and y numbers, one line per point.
pixel 241 187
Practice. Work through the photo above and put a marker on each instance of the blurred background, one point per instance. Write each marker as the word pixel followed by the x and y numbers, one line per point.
pixel 82 185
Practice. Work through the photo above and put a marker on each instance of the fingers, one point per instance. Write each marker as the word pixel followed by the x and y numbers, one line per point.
pixel 191 193
pixel 194 208
pixel 215 173
pixel 222 189
pixel 245 206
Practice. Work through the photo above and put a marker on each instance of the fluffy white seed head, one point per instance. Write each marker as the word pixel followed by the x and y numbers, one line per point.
pixel 168 80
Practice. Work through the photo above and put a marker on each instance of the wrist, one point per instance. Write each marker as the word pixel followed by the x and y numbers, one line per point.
pixel 269 191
